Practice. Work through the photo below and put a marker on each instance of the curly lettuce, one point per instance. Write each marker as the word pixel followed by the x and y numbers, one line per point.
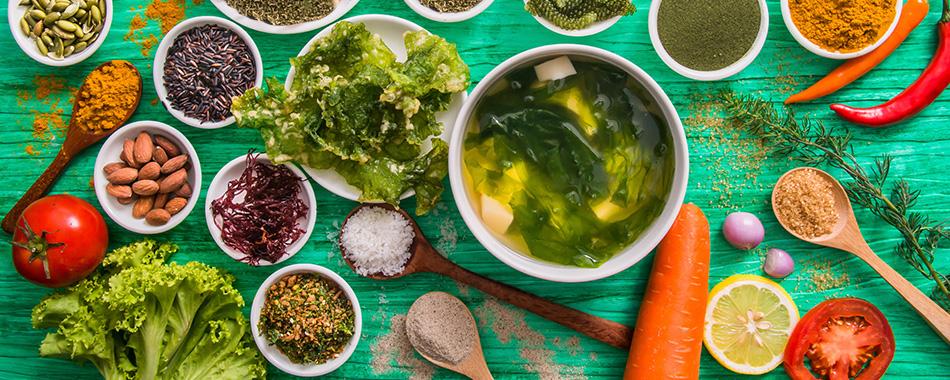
pixel 354 109
pixel 140 318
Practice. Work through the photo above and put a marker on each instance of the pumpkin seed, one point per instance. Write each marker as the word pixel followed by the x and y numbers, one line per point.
pixel 41 46
pixel 88 37
pixel 59 7
pixel 50 19
pixel 70 10
pixel 98 28
pixel 25 27
pixel 58 47
pixel 37 28
pixel 102 6
pixel 37 4
pixel 37 14
pixel 96 14
pixel 61 33
pixel 47 39
pixel 68 42
pixel 29 19
pixel 53 56
pixel 67 26
pixel 79 33
pixel 79 46
pixel 25 2
pixel 81 13
pixel 68 51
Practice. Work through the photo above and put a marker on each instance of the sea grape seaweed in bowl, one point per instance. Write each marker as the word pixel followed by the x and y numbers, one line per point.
pixel 568 163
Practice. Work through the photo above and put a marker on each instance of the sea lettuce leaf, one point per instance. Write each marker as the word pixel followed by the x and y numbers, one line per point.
pixel 354 109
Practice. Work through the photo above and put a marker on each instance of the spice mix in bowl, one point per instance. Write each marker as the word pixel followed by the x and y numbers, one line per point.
pixel 448 10
pixel 841 29
pixel 200 65
pixel 306 320
pixel 284 17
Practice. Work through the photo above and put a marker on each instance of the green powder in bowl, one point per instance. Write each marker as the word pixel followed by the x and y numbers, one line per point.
pixel 708 35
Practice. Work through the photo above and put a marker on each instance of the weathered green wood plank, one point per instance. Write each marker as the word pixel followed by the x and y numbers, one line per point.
pixel 920 148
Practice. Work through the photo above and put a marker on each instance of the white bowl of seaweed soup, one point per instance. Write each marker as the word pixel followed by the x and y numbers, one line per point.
pixel 568 173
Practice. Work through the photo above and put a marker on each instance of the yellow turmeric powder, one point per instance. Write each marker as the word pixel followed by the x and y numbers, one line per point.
pixel 842 26
pixel 107 95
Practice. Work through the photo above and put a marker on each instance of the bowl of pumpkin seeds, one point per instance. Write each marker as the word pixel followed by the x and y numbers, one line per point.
pixel 59 32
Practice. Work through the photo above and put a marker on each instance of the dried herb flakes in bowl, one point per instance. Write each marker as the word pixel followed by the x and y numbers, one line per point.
pixel 308 318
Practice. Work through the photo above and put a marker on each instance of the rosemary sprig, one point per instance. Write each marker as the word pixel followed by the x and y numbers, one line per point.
pixel 811 143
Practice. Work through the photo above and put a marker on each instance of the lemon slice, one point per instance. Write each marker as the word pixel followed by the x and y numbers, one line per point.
pixel 748 321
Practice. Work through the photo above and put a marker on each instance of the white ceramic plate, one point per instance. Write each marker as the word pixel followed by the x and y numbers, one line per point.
pixel 722 73
pixel 591 29
pixel 231 171
pixel 158 65
pixel 390 29
pixel 435 15
pixel 341 8
pixel 280 360
pixel 122 214
pixel 15 12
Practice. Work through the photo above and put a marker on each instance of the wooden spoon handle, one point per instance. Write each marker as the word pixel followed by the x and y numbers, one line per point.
pixel 935 316
pixel 39 189
pixel 610 332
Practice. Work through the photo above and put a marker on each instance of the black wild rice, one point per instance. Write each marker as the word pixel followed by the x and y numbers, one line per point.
pixel 205 67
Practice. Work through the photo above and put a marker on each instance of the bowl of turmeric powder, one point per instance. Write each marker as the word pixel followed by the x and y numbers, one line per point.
pixel 841 29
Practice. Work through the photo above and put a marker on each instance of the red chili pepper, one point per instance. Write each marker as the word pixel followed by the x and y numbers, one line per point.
pixel 926 89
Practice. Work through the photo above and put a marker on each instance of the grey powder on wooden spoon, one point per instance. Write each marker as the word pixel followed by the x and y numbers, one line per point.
pixel 441 328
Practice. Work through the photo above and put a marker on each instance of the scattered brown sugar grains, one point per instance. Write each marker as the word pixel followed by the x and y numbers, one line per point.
pixel 805 202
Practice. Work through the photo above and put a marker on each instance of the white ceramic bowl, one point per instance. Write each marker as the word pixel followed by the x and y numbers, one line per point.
pixel 722 73
pixel 591 29
pixel 122 214
pixel 273 355
pixel 158 66
pixel 261 26
pixel 543 269
pixel 15 12
pixel 435 15
pixel 231 171
pixel 814 48
pixel 390 29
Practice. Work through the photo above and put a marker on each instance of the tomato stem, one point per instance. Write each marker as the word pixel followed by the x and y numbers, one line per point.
pixel 37 245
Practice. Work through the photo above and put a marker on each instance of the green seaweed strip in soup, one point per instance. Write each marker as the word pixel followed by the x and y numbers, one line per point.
pixel 571 170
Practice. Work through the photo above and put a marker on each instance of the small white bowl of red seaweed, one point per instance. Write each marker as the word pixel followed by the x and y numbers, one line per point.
pixel 262 216
pixel 276 313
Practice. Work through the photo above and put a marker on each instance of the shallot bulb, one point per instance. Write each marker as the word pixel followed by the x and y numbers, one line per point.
pixel 743 230
pixel 778 263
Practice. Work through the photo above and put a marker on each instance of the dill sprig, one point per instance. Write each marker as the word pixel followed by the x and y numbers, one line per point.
pixel 811 143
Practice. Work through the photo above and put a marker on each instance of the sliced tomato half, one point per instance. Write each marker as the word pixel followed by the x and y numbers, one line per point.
pixel 843 338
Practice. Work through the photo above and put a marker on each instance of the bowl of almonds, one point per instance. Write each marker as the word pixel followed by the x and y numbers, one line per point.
pixel 147 177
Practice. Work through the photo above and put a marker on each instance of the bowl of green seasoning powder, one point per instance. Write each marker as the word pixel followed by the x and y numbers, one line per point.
pixel 708 39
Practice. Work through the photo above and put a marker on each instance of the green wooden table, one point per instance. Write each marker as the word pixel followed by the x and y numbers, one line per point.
pixel 726 174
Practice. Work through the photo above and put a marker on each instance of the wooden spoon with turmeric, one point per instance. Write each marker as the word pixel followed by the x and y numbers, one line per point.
pixel 106 99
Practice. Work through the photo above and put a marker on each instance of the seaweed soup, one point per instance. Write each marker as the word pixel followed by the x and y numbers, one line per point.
pixel 570 170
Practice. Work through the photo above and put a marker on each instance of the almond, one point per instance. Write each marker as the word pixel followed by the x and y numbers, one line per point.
pixel 157 217
pixel 145 187
pixel 161 199
pixel 173 181
pixel 184 190
pixel 112 167
pixel 150 171
pixel 175 205
pixel 174 164
pixel 159 155
pixel 123 176
pixel 119 191
pixel 170 148
pixel 142 152
pixel 129 200
pixel 142 206
pixel 128 160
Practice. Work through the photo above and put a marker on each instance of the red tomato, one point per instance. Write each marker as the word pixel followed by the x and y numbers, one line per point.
pixel 59 240
pixel 844 338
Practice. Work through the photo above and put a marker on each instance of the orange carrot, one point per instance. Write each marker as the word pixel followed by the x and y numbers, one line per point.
pixel 668 337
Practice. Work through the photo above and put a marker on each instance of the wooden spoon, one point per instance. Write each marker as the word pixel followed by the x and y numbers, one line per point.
pixel 847 237
pixel 474 365
pixel 78 137
pixel 424 258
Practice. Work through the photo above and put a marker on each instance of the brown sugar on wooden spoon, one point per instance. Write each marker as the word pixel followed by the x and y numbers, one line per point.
pixel 106 99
